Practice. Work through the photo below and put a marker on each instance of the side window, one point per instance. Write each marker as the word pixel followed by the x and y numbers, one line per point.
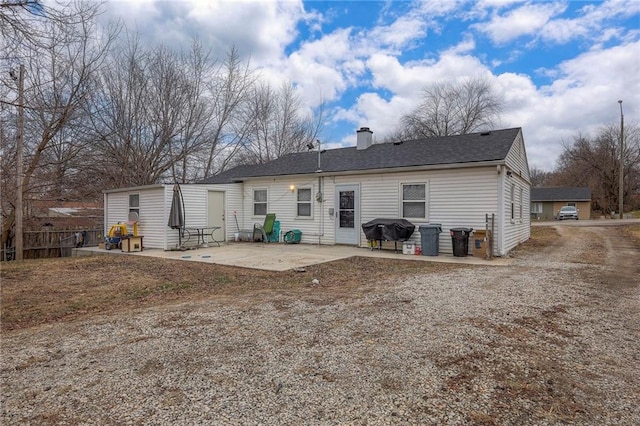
pixel 520 204
pixel 414 200
pixel 134 203
pixel 303 202
pixel 513 201
pixel 259 202
pixel 572 204
pixel 536 207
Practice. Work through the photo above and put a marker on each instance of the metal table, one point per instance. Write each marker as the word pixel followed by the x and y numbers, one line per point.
pixel 203 234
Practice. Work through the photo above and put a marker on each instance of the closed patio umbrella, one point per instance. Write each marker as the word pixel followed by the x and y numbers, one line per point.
pixel 176 214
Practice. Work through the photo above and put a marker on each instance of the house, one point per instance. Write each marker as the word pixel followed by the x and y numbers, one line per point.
pixel 546 202
pixel 456 181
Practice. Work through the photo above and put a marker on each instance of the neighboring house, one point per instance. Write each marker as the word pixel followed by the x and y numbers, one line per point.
pixel 546 202
pixel 454 181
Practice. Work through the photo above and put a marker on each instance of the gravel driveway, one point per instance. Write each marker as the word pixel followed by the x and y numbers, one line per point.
pixel 551 339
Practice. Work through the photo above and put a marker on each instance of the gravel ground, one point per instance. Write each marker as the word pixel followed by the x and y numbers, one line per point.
pixel 551 339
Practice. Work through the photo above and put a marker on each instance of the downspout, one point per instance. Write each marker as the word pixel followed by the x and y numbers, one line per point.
pixel 105 216
pixel 320 201
pixel 502 172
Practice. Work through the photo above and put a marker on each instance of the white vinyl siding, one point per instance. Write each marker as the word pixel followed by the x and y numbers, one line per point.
pixel 150 208
pixel 516 159
pixel 282 201
pixel 455 197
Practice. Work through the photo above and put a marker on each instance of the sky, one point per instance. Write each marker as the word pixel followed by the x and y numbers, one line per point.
pixel 560 66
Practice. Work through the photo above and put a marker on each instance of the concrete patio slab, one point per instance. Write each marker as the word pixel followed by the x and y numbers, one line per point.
pixel 283 257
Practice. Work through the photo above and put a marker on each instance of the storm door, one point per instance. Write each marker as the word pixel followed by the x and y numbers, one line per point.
pixel 347 214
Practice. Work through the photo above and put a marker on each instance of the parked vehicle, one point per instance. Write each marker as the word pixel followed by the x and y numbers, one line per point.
pixel 568 212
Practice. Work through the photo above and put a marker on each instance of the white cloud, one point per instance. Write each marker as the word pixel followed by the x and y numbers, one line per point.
pixel 260 29
pixel 524 20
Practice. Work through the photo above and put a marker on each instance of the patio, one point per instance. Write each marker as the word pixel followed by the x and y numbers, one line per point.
pixel 282 257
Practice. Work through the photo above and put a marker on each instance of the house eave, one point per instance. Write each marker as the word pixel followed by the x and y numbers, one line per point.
pixel 429 167
pixel 134 188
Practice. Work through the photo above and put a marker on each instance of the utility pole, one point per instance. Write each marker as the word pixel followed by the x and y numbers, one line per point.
pixel 621 177
pixel 19 167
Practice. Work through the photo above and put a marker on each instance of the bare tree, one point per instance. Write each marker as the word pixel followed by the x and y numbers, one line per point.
pixel 60 62
pixel 229 91
pixel 452 109
pixel 594 162
pixel 278 125
pixel 150 113
pixel 539 177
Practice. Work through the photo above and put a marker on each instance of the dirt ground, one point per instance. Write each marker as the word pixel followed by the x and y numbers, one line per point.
pixel 552 339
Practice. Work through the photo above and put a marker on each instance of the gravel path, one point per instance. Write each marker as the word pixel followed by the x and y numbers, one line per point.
pixel 551 339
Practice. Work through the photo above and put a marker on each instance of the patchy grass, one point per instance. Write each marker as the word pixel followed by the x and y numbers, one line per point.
pixel 541 236
pixel 47 290
pixel 632 232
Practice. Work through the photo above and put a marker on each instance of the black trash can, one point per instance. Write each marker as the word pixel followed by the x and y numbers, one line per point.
pixel 460 241
pixel 430 238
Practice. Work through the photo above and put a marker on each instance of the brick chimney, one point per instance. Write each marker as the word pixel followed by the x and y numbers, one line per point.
pixel 365 138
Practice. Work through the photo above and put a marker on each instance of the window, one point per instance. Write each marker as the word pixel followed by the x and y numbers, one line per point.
pixel 414 200
pixel 536 208
pixel 134 203
pixel 304 202
pixel 513 201
pixel 520 205
pixel 259 202
pixel 572 204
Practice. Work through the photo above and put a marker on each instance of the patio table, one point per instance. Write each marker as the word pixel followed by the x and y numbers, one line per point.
pixel 203 234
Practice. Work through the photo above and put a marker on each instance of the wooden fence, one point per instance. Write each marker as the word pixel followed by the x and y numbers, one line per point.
pixel 54 243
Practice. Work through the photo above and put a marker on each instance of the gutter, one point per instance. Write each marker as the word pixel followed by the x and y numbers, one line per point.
pixel 429 167
pixel 134 188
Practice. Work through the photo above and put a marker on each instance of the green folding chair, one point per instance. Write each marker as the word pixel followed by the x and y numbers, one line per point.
pixel 264 232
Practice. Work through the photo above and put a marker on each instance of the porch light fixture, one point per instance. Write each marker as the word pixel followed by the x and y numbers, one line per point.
pixel 292 188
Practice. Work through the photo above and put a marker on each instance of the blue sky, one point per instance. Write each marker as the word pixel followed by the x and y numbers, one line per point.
pixel 561 66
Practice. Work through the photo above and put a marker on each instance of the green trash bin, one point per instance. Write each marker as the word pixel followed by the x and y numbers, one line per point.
pixel 293 237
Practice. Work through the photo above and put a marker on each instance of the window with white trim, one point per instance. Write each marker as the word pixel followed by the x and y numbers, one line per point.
pixel 572 204
pixel 520 205
pixel 134 203
pixel 414 200
pixel 536 208
pixel 513 201
pixel 304 202
pixel 259 202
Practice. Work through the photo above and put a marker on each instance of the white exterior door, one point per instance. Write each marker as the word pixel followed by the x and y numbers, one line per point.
pixel 347 211
pixel 215 213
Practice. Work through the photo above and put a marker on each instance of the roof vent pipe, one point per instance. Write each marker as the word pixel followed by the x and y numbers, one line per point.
pixel 364 138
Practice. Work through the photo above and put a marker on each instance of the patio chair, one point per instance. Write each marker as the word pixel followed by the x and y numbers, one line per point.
pixel 264 232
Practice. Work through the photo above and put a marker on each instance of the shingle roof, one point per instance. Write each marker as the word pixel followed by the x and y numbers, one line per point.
pixel 470 148
pixel 561 193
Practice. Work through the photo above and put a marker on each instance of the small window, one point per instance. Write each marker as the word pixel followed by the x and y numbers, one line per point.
pixel 414 200
pixel 572 204
pixel 259 202
pixel 513 201
pixel 134 203
pixel 304 202
pixel 520 204
pixel 536 208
